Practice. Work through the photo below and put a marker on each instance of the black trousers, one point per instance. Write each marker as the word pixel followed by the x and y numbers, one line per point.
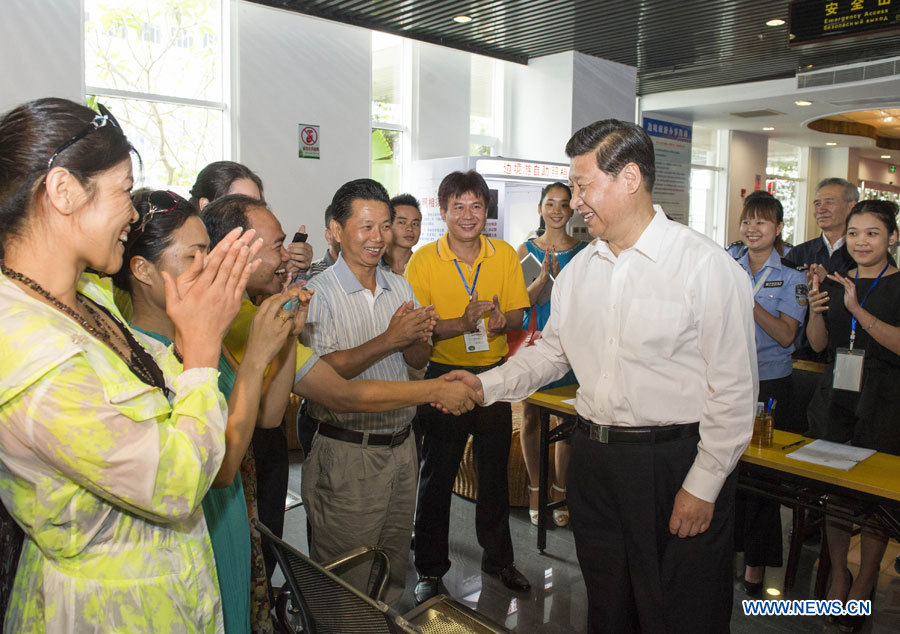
pixel 271 454
pixel 639 577
pixel 757 521
pixel 443 444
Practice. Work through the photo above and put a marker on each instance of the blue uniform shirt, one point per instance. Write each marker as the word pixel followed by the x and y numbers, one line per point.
pixel 783 291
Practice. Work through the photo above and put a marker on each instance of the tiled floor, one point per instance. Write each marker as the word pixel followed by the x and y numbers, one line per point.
pixel 557 601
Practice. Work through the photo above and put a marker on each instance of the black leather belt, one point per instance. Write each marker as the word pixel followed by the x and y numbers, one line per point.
pixel 634 435
pixel 358 437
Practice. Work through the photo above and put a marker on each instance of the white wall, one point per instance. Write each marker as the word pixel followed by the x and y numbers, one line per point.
pixel 440 121
pixel 746 160
pixel 601 89
pixel 539 109
pixel 40 51
pixel 294 69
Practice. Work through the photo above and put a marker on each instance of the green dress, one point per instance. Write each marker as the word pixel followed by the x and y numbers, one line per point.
pixel 226 517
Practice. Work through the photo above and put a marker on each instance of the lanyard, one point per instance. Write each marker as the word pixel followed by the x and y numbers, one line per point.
pixel 869 292
pixel 761 281
pixel 463 277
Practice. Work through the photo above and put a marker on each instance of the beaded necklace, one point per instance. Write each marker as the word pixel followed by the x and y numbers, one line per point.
pixel 139 362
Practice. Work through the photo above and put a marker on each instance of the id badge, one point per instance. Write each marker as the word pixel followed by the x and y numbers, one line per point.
pixel 848 369
pixel 477 341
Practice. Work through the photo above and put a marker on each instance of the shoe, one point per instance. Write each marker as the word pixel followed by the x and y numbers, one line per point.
pixel 511 578
pixel 851 622
pixel 532 508
pixel 426 588
pixel 561 514
pixel 752 588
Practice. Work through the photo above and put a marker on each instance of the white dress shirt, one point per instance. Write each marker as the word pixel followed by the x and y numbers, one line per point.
pixel 662 334
pixel 833 247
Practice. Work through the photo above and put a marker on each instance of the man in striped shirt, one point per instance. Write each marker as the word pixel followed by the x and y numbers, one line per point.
pixel 359 480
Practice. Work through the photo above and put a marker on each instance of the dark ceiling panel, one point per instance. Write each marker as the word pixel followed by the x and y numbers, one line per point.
pixel 675 44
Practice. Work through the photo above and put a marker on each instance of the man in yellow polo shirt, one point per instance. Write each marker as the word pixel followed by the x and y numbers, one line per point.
pixel 477 287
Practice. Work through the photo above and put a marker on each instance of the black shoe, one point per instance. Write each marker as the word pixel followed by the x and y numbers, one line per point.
pixel 851 622
pixel 512 578
pixel 751 588
pixel 426 588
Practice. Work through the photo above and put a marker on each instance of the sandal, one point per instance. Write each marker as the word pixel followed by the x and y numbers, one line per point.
pixel 533 512
pixel 561 514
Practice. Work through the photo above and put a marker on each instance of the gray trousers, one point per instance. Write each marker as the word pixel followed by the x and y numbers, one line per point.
pixel 361 496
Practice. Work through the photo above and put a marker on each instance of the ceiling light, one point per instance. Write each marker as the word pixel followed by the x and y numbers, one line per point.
pixel 887 156
pixel 802 102
pixel 462 19
pixel 768 128
pixel 773 592
pixel 830 143
pixel 775 22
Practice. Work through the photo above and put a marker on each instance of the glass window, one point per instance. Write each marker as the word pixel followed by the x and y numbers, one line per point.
pixel 783 181
pixel 706 209
pixel 158 66
pixel 485 106
pixel 391 89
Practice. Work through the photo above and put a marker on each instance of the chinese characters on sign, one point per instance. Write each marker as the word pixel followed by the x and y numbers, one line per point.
pixel 502 167
pixel 814 20
pixel 672 146
pixel 309 141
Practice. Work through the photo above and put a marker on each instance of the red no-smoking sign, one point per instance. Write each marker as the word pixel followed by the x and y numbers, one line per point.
pixel 309 141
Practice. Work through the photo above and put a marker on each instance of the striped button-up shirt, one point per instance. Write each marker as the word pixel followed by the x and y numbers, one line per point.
pixel 343 315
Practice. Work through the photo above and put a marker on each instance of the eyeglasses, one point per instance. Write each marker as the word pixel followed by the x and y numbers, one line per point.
pixel 161 202
pixel 101 120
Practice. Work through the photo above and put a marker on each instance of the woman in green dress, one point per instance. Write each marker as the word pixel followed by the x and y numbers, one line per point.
pixel 166 238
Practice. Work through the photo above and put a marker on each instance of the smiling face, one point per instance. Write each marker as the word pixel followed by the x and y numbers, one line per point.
pixel 555 208
pixel 187 240
pixel 831 208
pixel 868 239
pixel 598 197
pixel 465 216
pixel 407 226
pixel 364 234
pixel 101 225
pixel 270 275
pixel 759 234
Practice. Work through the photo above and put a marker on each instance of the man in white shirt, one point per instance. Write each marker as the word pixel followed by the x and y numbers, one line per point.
pixel 656 321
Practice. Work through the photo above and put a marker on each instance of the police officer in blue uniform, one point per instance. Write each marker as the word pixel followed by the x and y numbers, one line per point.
pixel 780 295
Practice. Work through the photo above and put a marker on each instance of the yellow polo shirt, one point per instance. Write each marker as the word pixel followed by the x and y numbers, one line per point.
pixel 236 340
pixel 433 275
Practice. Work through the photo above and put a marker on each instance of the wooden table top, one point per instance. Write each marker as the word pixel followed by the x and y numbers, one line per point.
pixel 877 475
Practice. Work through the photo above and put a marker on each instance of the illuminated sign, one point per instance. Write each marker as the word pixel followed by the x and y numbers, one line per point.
pixel 816 20
pixel 522 169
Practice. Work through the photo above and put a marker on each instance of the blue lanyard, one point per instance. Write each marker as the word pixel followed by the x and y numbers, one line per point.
pixel 863 301
pixel 465 283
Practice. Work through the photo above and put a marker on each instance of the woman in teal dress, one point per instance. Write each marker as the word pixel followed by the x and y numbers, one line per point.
pixel 554 248
pixel 166 238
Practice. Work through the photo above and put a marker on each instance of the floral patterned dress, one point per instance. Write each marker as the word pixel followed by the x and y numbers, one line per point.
pixel 106 476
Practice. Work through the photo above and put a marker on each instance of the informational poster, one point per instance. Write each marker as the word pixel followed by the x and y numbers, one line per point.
pixel 309 141
pixel 672 187
pixel 817 20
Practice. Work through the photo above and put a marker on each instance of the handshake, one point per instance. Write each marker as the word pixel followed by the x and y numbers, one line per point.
pixel 457 392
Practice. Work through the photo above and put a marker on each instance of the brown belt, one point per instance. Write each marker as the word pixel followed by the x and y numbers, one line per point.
pixel 359 437
pixel 634 435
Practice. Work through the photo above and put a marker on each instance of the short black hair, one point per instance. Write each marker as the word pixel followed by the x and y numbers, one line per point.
pixel 885 210
pixel 616 144
pixel 156 235
pixel 406 199
pixel 329 215
pixel 215 179
pixel 359 189
pixel 459 183
pixel 222 215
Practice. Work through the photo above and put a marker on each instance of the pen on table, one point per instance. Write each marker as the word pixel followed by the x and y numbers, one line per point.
pixel 794 444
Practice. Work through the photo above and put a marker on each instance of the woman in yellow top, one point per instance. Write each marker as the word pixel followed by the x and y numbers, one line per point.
pixel 107 443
